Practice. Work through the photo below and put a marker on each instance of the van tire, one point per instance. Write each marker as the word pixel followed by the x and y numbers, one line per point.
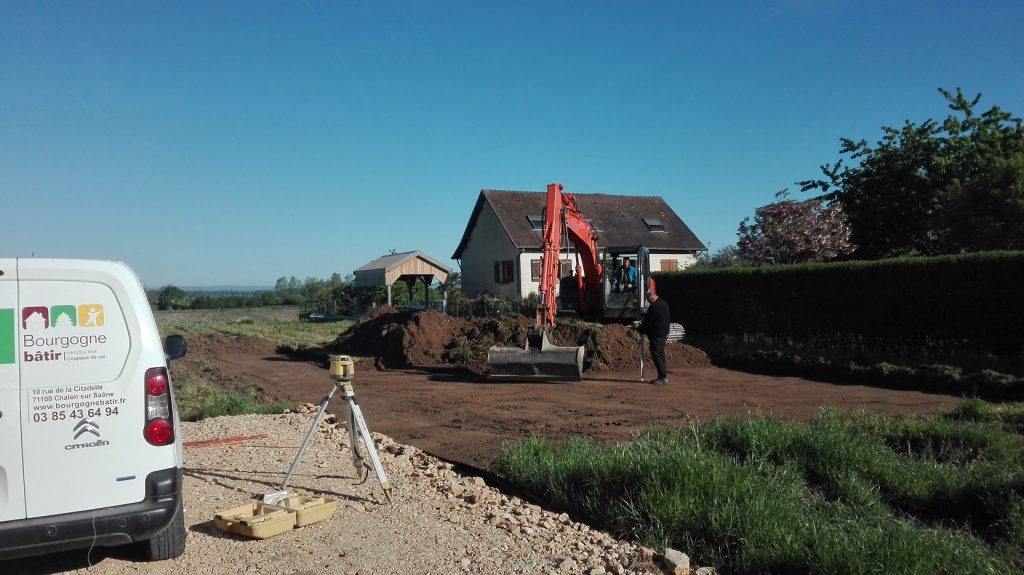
pixel 170 542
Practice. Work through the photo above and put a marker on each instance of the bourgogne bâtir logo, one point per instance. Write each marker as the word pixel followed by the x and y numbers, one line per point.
pixel 60 316
pixel 38 318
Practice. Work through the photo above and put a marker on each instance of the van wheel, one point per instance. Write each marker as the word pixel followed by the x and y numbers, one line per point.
pixel 170 542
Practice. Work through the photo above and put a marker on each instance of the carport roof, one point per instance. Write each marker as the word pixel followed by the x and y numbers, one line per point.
pixel 385 270
pixel 392 261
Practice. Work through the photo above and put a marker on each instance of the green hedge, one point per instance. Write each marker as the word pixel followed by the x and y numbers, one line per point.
pixel 965 307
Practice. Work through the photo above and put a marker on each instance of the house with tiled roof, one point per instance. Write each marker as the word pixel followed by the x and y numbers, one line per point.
pixel 501 247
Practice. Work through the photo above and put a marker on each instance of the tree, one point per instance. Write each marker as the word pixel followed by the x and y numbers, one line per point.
pixel 268 298
pixel 317 293
pixel 399 294
pixel 171 297
pixel 345 297
pixel 789 232
pixel 451 283
pixel 930 188
pixel 451 289
pixel 723 257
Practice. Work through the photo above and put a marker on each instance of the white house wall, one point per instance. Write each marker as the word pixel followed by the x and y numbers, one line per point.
pixel 489 243
pixel 683 261
pixel 526 284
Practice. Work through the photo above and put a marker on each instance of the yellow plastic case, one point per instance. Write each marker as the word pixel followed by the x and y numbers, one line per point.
pixel 308 508
pixel 255 520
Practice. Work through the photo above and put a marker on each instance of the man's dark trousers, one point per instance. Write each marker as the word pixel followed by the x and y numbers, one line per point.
pixel 658 353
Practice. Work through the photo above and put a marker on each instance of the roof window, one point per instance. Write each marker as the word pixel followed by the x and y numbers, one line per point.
pixel 536 222
pixel 654 224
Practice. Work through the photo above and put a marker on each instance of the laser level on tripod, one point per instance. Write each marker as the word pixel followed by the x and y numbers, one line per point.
pixel 342 372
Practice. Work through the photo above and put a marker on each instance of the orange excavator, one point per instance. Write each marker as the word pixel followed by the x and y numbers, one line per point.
pixel 603 289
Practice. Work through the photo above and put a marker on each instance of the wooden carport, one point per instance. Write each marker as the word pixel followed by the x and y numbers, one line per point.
pixel 406 266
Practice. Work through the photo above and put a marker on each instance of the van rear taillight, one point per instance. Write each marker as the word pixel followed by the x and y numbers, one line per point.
pixel 158 429
pixel 159 432
pixel 156 381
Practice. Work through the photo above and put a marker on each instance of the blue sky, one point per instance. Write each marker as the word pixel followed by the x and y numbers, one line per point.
pixel 209 143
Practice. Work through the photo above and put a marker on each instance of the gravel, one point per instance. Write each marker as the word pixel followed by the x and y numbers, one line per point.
pixel 439 522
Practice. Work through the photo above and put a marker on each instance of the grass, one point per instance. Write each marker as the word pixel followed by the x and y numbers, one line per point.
pixel 279 324
pixel 199 399
pixel 842 494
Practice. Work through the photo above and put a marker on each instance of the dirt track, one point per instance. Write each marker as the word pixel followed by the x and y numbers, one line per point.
pixel 465 420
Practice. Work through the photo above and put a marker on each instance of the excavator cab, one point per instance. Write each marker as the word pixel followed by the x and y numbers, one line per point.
pixel 627 271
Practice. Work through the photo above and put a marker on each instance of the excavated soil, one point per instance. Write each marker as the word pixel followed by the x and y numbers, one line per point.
pixel 422 384
pixel 431 339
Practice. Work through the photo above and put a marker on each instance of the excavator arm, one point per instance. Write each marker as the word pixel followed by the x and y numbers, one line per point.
pixel 562 217
pixel 549 257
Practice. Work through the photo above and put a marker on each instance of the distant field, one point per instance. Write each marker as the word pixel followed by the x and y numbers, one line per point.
pixel 279 324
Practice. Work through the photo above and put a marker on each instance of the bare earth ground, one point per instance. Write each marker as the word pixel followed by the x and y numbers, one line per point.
pixel 466 418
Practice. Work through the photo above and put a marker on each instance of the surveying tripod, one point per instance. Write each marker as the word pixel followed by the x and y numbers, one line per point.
pixel 342 371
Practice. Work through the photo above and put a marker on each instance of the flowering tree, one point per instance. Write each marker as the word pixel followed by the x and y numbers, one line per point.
pixel 789 232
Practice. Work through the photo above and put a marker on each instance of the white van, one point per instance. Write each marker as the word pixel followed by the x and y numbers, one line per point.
pixel 90 443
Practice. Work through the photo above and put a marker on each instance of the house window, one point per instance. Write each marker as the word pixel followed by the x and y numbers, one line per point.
pixel 564 271
pixel 654 224
pixel 669 265
pixel 536 222
pixel 504 272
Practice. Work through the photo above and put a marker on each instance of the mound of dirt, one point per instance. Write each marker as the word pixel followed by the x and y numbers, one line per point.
pixel 620 351
pixel 430 339
pixel 214 343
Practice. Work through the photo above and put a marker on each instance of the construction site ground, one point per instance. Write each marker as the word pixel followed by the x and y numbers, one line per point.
pixel 445 519
pixel 462 417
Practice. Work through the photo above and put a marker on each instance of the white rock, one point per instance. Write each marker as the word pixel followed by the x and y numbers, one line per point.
pixel 676 562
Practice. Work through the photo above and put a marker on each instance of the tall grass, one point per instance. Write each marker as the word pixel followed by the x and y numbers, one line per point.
pixel 842 494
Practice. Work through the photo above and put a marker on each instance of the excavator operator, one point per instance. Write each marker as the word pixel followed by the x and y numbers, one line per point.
pixel 627 276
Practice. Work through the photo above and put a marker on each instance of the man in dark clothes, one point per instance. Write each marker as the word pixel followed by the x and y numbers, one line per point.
pixel 655 327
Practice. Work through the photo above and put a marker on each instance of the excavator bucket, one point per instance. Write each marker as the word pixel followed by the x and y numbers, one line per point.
pixel 543 361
